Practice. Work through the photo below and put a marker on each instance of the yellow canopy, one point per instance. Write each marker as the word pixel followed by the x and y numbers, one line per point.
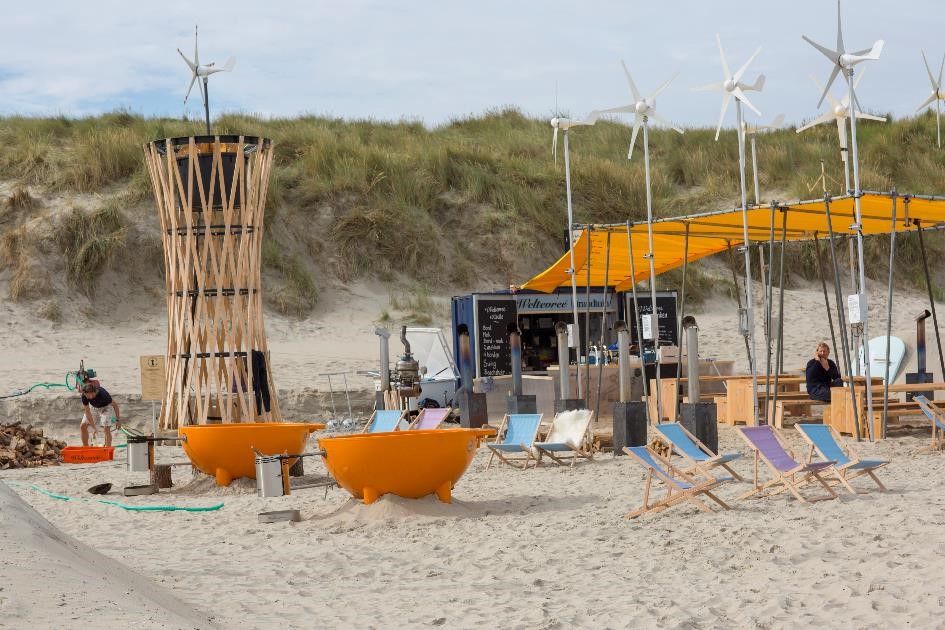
pixel 715 232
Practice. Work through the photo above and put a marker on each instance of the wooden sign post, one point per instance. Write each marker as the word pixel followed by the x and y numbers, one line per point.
pixel 153 374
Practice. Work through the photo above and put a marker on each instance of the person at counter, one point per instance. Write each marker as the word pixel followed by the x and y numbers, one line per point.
pixel 822 374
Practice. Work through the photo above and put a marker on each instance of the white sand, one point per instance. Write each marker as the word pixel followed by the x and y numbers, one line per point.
pixel 541 548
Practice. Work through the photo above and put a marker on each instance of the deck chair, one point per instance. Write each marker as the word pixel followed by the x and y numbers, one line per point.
pixel 937 417
pixel 430 418
pixel 517 434
pixel 384 420
pixel 680 487
pixel 699 457
pixel 569 437
pixel 829 445
pixel 789 474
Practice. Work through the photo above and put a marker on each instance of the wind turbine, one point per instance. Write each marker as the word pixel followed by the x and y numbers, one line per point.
pixel 643 109
pixel 845 61
pixel 937 96
pixel 204 72
pixel 732 87
pixel 840 113
pixel 565 124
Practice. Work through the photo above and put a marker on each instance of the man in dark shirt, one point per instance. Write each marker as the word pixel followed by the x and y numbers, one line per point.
pixel 822 374
pixel 96 398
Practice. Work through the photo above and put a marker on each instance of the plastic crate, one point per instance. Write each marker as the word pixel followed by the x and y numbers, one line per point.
pixel 87 454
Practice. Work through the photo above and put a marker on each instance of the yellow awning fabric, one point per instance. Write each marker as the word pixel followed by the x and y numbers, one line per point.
pixel 715 232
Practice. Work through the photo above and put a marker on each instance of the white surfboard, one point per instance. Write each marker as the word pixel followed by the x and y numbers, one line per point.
pixel 878 359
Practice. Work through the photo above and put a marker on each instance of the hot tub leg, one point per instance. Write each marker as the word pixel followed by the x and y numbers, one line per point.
pixel 444 492
pixel 370 495
pixel 223 477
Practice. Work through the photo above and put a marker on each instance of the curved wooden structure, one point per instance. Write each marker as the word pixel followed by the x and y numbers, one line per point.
pixel 210 193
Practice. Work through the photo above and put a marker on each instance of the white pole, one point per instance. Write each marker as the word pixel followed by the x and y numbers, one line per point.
pixel 649 232
pixel 576 329
pixel 938 121
pixel 864 340
pixel 754 171
pixel 748 297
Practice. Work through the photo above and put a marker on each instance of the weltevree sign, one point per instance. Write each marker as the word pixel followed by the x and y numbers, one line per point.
pixel 561 302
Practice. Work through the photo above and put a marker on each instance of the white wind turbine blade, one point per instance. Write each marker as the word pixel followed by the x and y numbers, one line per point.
pixel 941 69
pixel 737 93
pixel 725 101
pixel 777 122
pixel 862 116
pixel 725 70
pixel 935 85
pixel 189 63
pixel 738 75
pixel 830 98
pixel 228 66
pixel 193 78
pixel 554 143
pixel 652 97
pixel 623 109
pixel 712 87
pixel 633 86
pixel 833 76
pixel 840 50
pixel 652 114
pixel 931 99
pixel 817 121
pixel 196 54
pixel 637 121
pixel 832 55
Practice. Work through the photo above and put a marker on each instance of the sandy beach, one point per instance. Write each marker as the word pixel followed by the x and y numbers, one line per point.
pixel 544 548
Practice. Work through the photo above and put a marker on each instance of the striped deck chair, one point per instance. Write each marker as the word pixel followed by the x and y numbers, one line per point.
pixel 569 437
pixel 829 444
pixel 937 417
pixel 517 434
pixel 384 420
pixel 430 418
pixel 789 474
pixel 699 457
pixel 680 487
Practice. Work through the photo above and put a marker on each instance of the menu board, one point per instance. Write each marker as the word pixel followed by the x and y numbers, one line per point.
pixel 665 312
pixel 493 318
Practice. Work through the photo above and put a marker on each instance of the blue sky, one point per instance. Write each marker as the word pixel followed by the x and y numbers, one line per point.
pixel 433 61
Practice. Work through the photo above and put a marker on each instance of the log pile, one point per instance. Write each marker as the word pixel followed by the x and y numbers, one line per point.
pixel 26 447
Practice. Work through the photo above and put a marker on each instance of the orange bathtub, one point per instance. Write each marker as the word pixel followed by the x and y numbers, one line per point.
pixel 225 451
pixel 408 464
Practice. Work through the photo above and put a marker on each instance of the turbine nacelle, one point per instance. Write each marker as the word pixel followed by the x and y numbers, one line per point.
pixel 564 124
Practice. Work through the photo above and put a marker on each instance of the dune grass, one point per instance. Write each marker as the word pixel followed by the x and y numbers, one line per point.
pixel 89 241
pixel 471 198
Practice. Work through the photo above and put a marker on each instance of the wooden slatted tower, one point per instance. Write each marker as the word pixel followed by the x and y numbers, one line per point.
pixel 210 193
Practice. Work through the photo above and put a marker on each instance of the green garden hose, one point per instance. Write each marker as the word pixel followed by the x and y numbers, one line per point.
pixel 130 508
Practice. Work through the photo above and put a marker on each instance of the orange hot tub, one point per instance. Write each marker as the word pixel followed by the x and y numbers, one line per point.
pixel 225 451
pixel 410 464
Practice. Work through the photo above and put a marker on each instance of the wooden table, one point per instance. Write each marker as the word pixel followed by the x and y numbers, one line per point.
pixel 741 401
pixel 840 415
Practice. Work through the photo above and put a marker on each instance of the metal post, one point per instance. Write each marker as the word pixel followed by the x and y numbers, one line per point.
pixel 623 360
pixel 206 103
pixel 649 230
pixel 692 334
pixel 587 324
pixel 823 284
pixel 754 171
pixel 515 345
pixel 748 298
pixel 383 336
pixel 769 304
pixel 861 259
pixel 603 318
pixel 928 285
pixel 576 327
pixel 889 296
pixel 777 368
pixel 738 299
pixel 636 315
pixel 682 313
pixel 561 329
pixel 841 319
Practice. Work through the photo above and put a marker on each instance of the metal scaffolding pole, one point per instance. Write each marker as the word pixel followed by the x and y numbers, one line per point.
pixel 889 296
pixel 682 313
pixel 636 316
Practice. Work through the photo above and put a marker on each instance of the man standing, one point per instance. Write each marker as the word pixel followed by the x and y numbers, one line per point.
pixel 97 401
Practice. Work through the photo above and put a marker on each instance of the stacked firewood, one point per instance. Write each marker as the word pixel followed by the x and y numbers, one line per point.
pixel 26 447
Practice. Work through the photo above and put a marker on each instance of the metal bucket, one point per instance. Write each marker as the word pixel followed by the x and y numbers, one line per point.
pixel 270 478
pixel 140 454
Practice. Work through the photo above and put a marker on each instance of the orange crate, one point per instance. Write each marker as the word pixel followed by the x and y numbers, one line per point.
pixel 87 454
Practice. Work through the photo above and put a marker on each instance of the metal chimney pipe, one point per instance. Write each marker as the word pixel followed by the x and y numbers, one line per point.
pixel 515 343
pixel 384 335
pixel 465 361
pixel 623 359
pixel 564 367
pixel 920 340
pixel 692 349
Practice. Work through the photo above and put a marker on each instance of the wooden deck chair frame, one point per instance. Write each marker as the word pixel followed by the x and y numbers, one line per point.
pixel 582 452
pixel 675 494
pixel 936 417
pixel 784 480
pixel 527 449
pixel 705 468
pixel 842 470
pixel 370 422
pixel 416 421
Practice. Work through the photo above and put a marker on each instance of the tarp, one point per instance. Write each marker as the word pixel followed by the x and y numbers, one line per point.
pixel 714 232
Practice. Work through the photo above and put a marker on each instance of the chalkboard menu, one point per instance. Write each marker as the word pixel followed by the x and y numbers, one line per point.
pixel 493 318
pixel 665 311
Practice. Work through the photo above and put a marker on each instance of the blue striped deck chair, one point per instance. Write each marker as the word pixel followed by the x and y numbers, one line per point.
pixel 699 457
pixel 680 487
pixel 516 436
pixel 384 421
pixel 568 438
pixel 823 439
pixel 937 417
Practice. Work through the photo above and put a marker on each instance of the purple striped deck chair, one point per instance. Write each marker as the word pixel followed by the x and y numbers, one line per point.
pixel 789 474
pixel 429 419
